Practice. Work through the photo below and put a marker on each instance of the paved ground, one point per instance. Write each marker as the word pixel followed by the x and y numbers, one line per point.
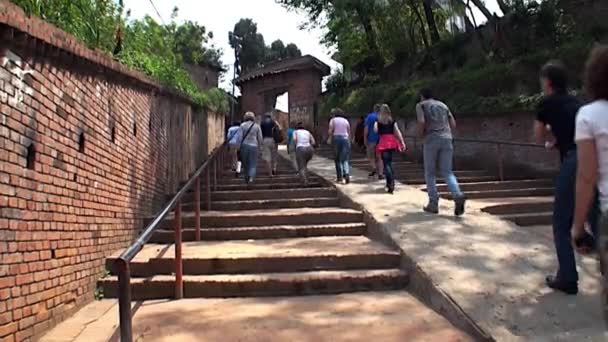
pixel 493 269
pixel 379 316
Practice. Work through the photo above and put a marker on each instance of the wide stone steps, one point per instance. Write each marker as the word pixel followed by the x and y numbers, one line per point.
pixel 265 194
pixel 503 193
pixel 528 205
pixel 274 237
pixel 269 186
pixel 267 284
pixel 266 232
pixel 261 256
pixel 312 202
pixel 501 185
pixel 296 216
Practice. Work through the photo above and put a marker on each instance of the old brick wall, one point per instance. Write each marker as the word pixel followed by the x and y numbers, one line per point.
pixel 88 149
pixel 205 76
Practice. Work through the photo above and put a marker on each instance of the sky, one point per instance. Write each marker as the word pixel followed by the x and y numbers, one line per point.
pixel 219 16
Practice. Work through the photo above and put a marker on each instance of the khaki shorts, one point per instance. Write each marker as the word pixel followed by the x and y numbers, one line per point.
pixel 371 151
pixel 269 150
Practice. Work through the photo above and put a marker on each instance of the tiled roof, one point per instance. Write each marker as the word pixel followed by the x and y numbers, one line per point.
pixel 298 63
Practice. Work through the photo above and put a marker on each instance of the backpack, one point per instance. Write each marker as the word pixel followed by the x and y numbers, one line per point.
pixel 277 134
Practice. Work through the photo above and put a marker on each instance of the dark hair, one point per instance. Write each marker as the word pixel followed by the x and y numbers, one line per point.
pixel 596 73
pixel 426 93
pixel 300 125
pixel 555 72
pixel 377 107
pixel 236 123
pixel 337 112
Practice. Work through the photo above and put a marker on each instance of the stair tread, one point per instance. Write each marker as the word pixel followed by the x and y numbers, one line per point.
pixel 259 213
pixel 279 226
pixel 537 214
pixel 259 277
pixel 269 248
pixel 295 189
pixel 280 200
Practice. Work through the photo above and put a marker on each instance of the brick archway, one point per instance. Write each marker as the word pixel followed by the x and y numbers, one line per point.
pixel 301 77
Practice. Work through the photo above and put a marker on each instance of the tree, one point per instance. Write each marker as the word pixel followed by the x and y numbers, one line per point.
pixel 277 51
pixel 430 20
pixel 248 44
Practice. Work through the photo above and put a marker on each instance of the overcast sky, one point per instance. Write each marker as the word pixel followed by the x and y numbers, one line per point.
pixel 219 16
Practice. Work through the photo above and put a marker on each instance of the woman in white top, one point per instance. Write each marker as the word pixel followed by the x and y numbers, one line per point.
pixel 339 130
pixel 304 142
pixel 592 148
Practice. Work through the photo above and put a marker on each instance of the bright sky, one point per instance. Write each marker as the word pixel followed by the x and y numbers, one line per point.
pixel 219 16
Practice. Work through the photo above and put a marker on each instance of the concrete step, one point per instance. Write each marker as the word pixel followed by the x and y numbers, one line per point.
pixel 503 193
pixel 524 206
pixel 502 185
pixel 313 202
pixel 296 216
pixel 269 232
pixel 265 255
pixel 266 186
pixel 258 285
pixel 530 219
pixel 293 178
pixel 458 173
pixel 266 194
pixel 419 180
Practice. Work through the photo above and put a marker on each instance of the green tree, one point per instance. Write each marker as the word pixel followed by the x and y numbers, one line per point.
pixel 248 44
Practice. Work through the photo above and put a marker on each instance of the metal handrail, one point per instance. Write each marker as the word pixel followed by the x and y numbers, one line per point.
pixel 499 144
pixel 121 265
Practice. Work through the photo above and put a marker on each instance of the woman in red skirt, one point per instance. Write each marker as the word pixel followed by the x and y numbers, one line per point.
pixel 391 140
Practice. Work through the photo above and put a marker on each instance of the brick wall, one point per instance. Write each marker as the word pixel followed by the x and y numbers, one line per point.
pixel 88 149
pixel 205 76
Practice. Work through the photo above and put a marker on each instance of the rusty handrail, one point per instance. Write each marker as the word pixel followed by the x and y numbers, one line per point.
pixel 499 152
pixel 121 265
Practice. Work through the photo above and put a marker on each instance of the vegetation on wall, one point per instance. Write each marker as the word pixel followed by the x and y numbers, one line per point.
pixel 158 50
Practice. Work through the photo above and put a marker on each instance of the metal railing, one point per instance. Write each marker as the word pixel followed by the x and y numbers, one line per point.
pixel 121 265
pixel 499 144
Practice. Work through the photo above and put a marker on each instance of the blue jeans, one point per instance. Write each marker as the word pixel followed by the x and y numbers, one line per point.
pixel 387 160
pixel 342 156
pixel 249 158
pixel 563 217
pixel 438 152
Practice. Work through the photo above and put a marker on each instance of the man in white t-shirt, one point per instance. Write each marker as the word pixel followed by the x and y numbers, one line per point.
pixel 592 145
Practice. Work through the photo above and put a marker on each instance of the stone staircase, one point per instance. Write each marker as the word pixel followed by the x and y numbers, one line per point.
pixel 276 237
pixel 526 201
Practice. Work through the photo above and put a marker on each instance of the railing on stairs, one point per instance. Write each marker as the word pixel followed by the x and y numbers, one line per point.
pixel 497 143
pixel 210 166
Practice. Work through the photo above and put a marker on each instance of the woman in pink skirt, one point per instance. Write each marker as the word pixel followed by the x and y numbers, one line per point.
pixel 391 140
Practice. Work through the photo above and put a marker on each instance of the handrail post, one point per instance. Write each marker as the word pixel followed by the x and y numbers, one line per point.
pixel 214 174
pixel 501 174
pixel 179 285
pixel 208 188
pixel 197 209
pixel 124 300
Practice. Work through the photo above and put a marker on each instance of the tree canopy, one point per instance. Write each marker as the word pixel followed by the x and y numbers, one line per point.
pixel 251 50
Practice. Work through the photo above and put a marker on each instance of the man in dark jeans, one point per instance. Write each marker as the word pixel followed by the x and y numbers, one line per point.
pixel 555 126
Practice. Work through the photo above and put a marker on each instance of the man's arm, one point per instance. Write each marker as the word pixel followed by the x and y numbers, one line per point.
pixel 420 126
pixel 540 132
pixel 365 133
pixel 451 120
pixel 586 180
pixel 331 128
pixel 313 142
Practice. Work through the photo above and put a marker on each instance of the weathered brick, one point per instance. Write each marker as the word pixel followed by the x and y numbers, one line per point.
pixel 60 219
